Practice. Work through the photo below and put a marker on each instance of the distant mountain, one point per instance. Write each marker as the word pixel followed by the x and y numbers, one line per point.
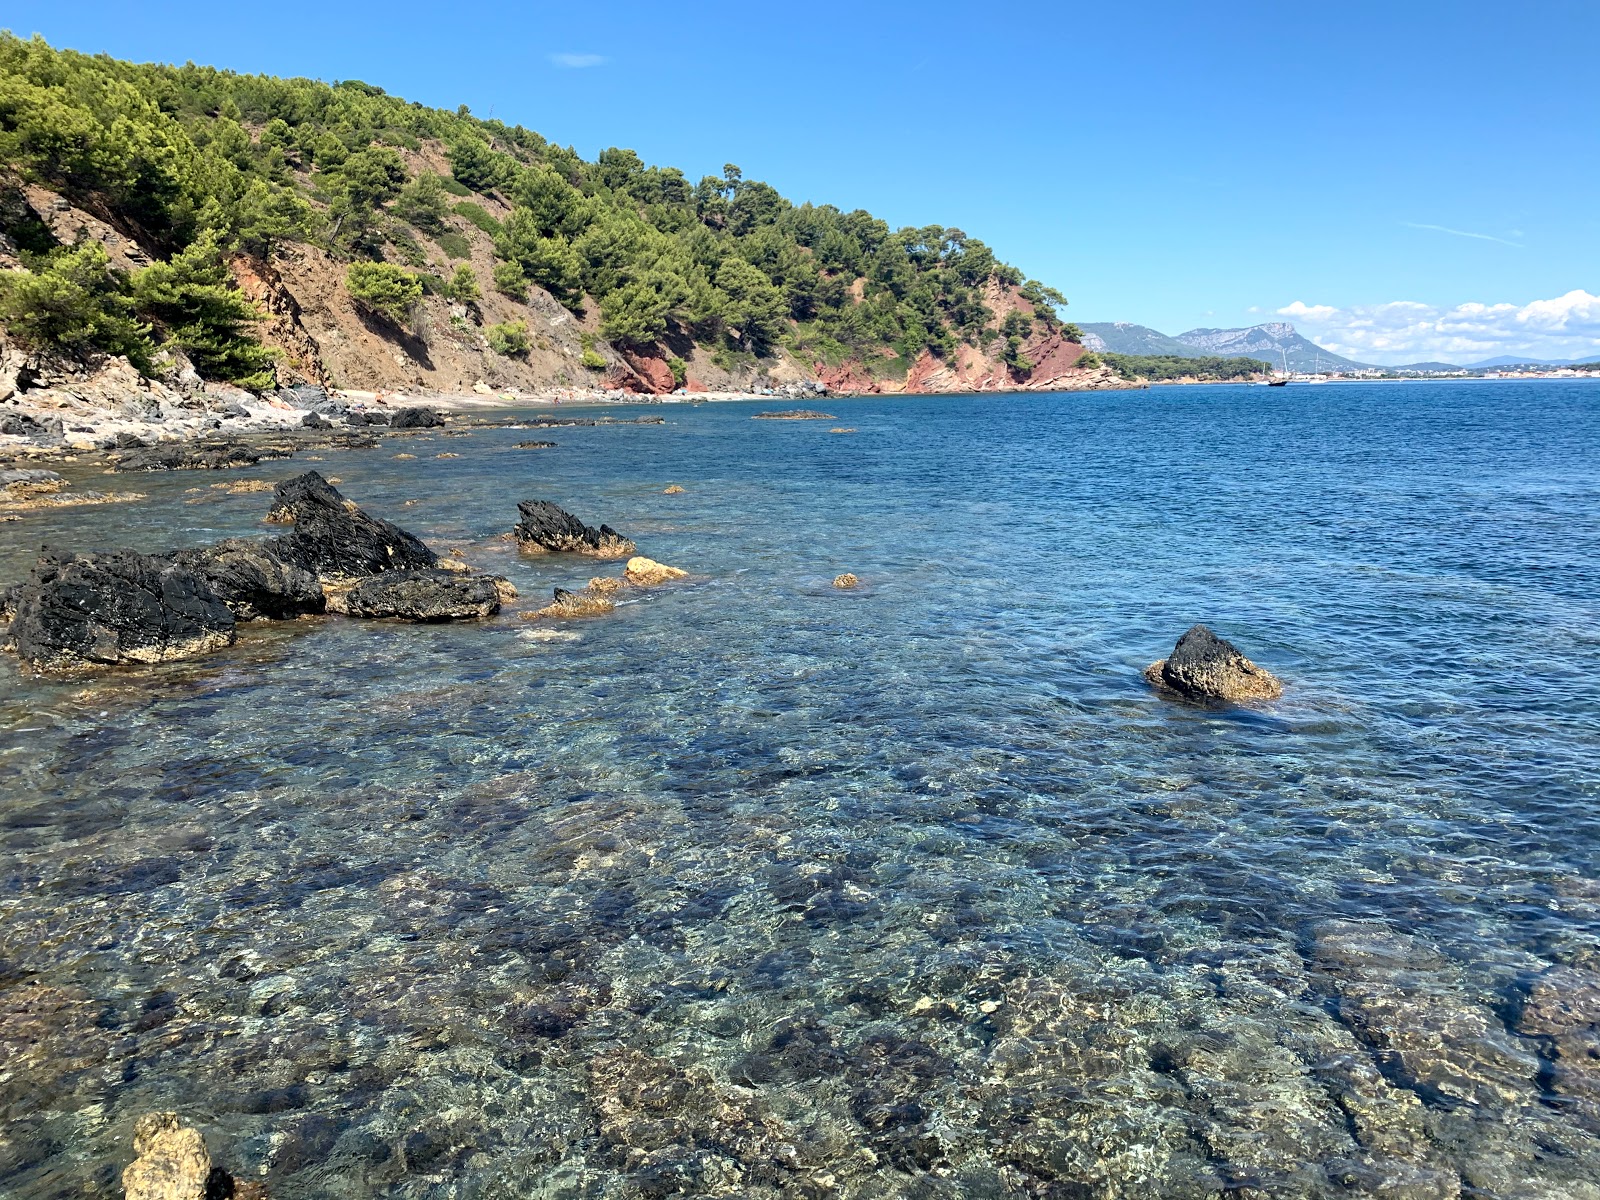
pixel 1514 360
pixel 1427 368
pixel 1275 342
pixel 1119 337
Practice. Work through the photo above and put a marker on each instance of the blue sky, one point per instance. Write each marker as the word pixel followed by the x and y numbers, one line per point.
pixel 1403 180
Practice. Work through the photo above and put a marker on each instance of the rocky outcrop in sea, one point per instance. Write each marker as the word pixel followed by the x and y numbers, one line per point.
pixel 1203 666
pixel 546 528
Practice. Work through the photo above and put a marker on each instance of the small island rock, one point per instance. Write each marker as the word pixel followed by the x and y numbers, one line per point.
pixel 647 572
pixel 846 581
pixel 334 539
pixel 1203 666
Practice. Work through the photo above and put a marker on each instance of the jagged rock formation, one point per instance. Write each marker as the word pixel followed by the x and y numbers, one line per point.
pixel 253 583
pixel 333 539
pixel 548 529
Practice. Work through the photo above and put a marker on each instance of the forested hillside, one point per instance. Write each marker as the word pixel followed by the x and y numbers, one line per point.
pixel 276 229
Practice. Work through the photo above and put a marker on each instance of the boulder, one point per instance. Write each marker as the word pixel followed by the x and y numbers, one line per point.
pixel 846 581
pixel 433 595
pixel 313 420
pixel 171 1161
pixel 24 425
pixel 253 583
pixel 333 539
pixel 21 482
pixel 647 572
pixel 116 607
pixel 547 529
pixel 311 398
pixel 366 418
pixel 1203 666
pixel 416 417
pixel 672 490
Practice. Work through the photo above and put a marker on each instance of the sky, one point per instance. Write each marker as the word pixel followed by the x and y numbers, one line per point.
pixel 1402 181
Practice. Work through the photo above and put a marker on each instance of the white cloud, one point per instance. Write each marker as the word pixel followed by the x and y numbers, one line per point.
pixel 578 61
pixel 1482 237
pixel 1405 331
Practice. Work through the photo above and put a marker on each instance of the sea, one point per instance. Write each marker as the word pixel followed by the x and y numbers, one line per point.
pixel 761 887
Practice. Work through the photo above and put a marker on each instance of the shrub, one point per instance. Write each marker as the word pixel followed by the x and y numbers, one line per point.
pixel 479 216
pixel 453 187
pixel 510 281
pixel 679 369
pixel 1088 361
pixel 422 203
pixel 510 338
pixel 463 286
pixel 593 361
pixel 454 244
pixel 72 301
pixel 385 290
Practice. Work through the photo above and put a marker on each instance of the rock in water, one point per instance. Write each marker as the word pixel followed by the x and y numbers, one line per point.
pixel 333 539
pixel 424 596
pixel 256 585
pixel 794 414
pixel 171 1161
pixel 846 581
pixel 647 572
pixel 416 417
pixel 115 608
pixel 1203 666
pixel 586 603
pixel 547 529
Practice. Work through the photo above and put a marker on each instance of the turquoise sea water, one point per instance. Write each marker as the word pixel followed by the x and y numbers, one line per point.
pixel 757 887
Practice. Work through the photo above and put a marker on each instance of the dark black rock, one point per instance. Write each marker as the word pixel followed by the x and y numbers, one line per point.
pixel 116 607
pixel 536 445
pixel 199 456
pixel 1203 666
pixel 254 583
pixel 550 529
pixel 424 596
pixel 315 421
pixel 22 425
pixel 416 417
pixel 334 539
pixel 127 441
pixel 311 398
pixel 366 418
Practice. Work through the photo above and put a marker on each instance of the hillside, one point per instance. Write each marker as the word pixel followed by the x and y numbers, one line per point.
pixel 270 231
pixel 1275 342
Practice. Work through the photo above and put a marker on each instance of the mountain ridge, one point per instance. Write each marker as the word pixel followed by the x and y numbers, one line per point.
pixel 1274 342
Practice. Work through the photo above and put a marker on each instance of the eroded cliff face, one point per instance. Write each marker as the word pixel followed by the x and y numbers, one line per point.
pixel 323 337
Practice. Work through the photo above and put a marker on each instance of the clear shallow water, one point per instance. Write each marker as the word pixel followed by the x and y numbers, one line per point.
pixel 758 887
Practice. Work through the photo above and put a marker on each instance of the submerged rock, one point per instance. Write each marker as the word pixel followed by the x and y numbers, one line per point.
pixel 424 596
pixel 254 583
pixel 587 603
pixel 548 529
pixel 171 1161
pixel 1203 666
pixel 672 490
pixel 647 572
pixel 114 608
pixel 794 414
pixel 536 446
pixel 334 539
pixel 416 417
pixel 846 581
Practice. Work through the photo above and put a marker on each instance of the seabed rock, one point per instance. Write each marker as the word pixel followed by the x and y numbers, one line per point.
pixel 334 539
pixel 118 607
pixel 424 596
pixel 171 1161
pixel 548 529
pixel 1203 666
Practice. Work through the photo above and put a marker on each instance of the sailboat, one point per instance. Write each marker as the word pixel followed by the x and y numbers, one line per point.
pixel 1281 380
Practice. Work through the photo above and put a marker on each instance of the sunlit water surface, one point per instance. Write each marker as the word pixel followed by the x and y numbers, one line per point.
pixel 760 887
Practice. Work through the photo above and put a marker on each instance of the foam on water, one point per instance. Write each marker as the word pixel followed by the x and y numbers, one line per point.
pixel 761 887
